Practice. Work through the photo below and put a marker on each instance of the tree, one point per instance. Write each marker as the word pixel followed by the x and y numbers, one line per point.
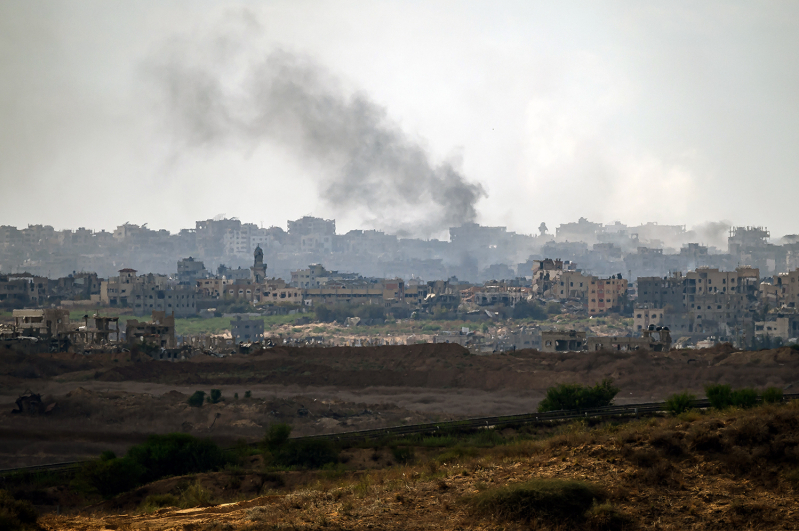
pixel 216 396
pixel 197 399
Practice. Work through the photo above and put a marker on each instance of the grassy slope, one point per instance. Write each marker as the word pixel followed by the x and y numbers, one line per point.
pixel 721 470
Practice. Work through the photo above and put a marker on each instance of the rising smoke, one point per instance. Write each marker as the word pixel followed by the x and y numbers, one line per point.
pixel 712 233
pixel 219 93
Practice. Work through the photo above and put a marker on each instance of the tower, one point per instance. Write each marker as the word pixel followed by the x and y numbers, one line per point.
pixel 259 267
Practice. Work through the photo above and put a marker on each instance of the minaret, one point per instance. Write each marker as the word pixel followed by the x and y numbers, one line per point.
pixel 259 267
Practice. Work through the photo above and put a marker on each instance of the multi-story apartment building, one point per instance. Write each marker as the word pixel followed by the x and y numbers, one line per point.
pixel 606 294
pixel 666 292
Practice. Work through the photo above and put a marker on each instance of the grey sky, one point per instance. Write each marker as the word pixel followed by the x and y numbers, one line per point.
pixel 678 112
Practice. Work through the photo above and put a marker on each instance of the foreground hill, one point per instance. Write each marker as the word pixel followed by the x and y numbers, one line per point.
pixel 734 469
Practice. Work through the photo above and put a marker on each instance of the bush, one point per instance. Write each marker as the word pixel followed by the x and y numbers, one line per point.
pixel 576 396
pixel 109 477
pixel 720 395
pixel 161 455
pixel 772 395
pixel 310 453
pixel 276 436
pixel 153 502
pixel 554 308
pixel 744 398
pixel 17 515
pixel 247 394
pixel 175 454
pixel 402 454
pixel 528 310
pixel 194 496
pixel 197 399
pixel 216 396
pixel 552 500
pixel 679 403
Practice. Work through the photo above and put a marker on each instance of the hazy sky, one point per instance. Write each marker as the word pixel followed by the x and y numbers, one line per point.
pixel 170 112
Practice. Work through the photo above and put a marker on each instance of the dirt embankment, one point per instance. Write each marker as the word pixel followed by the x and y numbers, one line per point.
pixel 429 366
pixel 111 401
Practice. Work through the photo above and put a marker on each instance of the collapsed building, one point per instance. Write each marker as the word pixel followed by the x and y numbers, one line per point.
pixel 654 339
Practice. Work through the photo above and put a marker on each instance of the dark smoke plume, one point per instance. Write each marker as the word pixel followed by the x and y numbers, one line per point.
pixel 225 97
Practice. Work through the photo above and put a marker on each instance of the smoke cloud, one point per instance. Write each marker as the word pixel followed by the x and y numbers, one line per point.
pixel 713 233
pixel 218 93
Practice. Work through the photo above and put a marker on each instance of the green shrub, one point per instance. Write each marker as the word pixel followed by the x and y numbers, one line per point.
pixel 109 477
pixel 554 308
pixel 175 454
pixel 107 455
pixel 744 398
pixel 276 436
pixel 679 403
pixel 772 395
pixel 247 394
pixel 720 395
pixel 576 396
pixel 161 455
pixel 438 441
pixel 312 453
pixel 527 310
pixel 216 396
pixel 403 454
pixel 284 452
pixel 549 500
pixel 197 399
pixel 17 515
pixel 486 439
pixel 456 454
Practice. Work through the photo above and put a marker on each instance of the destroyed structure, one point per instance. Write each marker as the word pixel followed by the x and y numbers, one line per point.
pixel 660 275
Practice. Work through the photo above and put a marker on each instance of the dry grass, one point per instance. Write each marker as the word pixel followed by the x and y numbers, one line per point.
pixel 715 470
